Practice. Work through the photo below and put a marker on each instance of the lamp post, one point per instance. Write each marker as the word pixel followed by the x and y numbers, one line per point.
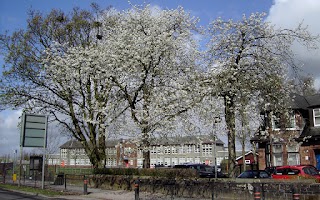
pixel 120 153
pixel 215 122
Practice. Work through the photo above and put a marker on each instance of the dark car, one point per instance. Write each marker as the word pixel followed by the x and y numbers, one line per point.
pixel 254 174
pixel 204 171
pixel 270 170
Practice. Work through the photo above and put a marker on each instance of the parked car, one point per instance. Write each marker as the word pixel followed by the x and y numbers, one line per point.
pixel 270 170
pixel 297 172
pixel 254 174
pixel 204 171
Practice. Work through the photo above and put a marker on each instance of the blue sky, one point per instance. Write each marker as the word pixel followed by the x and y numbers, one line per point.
pixel 284 13
pixel 14 12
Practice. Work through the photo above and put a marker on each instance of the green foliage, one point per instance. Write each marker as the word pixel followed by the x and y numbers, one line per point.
pixel 161 172
pixel 224 166
pixel 71 170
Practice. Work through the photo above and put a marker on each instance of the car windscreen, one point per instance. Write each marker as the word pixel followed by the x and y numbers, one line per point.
pixel 310 171
pixel 246 174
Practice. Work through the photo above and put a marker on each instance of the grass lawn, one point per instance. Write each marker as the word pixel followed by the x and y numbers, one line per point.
pixel 46 192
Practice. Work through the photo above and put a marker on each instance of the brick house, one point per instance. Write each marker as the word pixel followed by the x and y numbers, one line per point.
pixel 249 160
pixel 297 142
pixel 126 151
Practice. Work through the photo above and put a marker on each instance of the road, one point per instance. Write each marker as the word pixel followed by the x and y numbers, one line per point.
pixel 10 195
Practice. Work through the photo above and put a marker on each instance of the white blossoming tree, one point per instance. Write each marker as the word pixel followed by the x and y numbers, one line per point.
pixel 251 59
pixel 51 68
pixel 152 56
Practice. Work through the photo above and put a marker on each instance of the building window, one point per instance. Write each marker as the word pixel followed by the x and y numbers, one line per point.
pixel 206 149
pixel 167 150
pixel 277 154
pixel 287 121
pixel 189 148
pixel 316 117
pixel 181 150
pixel 197 148
pixel 167 161
pixel 174 150
pixel 293 154
pixel 153 150
pixel 174 161
pixel 159 150
pixel 182 160
pixel 153 161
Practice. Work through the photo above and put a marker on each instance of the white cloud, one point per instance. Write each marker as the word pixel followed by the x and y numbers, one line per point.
pixel 288 14
pixel 9 132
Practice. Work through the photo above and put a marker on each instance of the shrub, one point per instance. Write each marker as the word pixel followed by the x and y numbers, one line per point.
pixel 161 172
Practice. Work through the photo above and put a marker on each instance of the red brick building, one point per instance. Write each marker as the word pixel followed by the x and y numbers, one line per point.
pixel 298 142
pixel 249 160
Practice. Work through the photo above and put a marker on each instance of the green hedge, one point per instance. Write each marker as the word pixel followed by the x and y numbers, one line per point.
pixel 159 172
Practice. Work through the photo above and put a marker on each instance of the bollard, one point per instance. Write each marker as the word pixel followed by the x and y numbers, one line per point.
pixel 295 194
pixel 65 181
pixel 136 189
pixel 85 186
pixel 256 194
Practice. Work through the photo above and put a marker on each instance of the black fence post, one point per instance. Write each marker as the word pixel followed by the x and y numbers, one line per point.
pixel 295 194
pixel 65 182
pixel 262 191
pixel 212 193
pixel 85 185
pixel 136 189
pixel 256 193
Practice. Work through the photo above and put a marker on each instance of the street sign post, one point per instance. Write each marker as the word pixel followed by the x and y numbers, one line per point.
pixel 34 128
pixel 34 134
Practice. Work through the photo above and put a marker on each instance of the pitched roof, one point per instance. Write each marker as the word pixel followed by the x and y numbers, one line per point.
pixel 71 144
pixel 75 144
pixel 310 132
pixel 304 102
pixel 313 100
pixel 185 140
pixel 299 102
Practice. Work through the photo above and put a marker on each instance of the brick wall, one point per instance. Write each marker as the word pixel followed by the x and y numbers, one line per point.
pixel 261 158
pixel 240 189
pixel 307 154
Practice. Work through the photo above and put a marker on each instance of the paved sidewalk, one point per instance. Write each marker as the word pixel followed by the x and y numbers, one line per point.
pixel 77 193
pixel 94 193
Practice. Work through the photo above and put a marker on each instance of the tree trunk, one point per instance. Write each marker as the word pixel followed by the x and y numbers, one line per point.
pixel 254 155
pixel 145 148
pixel 243 152
pixel 230 121
pixel 146 159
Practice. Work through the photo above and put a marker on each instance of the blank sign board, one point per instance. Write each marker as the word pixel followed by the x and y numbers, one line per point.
pixel 34 130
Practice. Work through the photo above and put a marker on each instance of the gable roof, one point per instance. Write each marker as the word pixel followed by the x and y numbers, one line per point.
pixel 299 102
pixel 313 100
pixel 305 102
pixel 248 153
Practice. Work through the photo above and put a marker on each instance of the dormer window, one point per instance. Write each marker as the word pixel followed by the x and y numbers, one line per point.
pixel 286 121
pixel 316 116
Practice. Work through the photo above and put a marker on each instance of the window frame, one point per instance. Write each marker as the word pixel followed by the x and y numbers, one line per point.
pixel 314 116
pixel 277 120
